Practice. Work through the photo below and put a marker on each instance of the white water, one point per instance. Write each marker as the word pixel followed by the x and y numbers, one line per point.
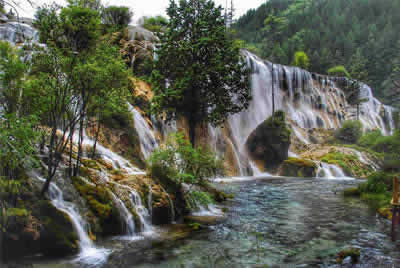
pixel 142 212
pixel 147 139
pixel 117 161
pixel 88 254
pixel 309 100
pixel 126 215
pixel 15 32
pixel 331 172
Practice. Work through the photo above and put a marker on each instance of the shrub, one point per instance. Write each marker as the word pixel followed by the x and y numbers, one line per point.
pixel 339 71
pixel 116 16
pixel 301 60
pixel 180 162
pixel 369 139
pixel 350 132
pixel 378 182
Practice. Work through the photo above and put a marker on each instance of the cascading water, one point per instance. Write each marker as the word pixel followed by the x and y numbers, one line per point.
pixel 330 171
pixel 127 217
pixel 309 100
pixel 89 254
pixel 146 137
pixel 16 32
pixel 142 212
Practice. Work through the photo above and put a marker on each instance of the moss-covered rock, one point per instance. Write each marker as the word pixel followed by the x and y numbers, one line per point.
pixel 297 167
pixel 58 237
pixel 354 253
pixel 100 203
pixel 269 142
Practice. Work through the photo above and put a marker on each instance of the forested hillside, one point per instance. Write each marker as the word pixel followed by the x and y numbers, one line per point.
pixel 362 35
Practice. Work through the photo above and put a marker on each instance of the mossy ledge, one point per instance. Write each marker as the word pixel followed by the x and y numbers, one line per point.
pixel 298 167
pixel 100 203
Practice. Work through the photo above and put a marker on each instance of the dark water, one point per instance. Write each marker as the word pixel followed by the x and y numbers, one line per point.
pixel 275 222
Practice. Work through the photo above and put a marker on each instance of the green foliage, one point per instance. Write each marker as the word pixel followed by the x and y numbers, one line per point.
pixel 348 162
pixel 180 162
pixel 155 24
pixel 350 132
pixel 194 199
pixel 378 182
pixel 369 139
pixel 301 60
pixel 117 17
pixel 199 73
pixel 339 71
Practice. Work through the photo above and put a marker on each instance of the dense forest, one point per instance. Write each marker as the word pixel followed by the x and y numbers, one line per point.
pixel 361 35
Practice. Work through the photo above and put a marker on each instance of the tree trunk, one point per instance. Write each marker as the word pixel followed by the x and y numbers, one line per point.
pixel 192 131
pixel 71 145
pixel 78 158
pixel 95 140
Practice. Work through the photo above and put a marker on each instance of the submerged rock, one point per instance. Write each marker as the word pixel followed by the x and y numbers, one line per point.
pixel 269 142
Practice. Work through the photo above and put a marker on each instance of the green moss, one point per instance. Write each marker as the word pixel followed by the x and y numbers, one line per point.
pixel 90 163
pixel 297 167
pixel 301 162
pixel 101 204
pixel 348 162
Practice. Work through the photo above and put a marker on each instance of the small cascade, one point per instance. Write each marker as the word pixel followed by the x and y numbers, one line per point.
pixel 127 217
pixel 106 154
pixel 88 252
pixel 17 33
pixel 142 212
pixel 330 171
pixel 147 139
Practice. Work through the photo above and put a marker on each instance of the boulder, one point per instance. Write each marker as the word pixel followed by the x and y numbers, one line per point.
pixel 269 142
pixel 297 167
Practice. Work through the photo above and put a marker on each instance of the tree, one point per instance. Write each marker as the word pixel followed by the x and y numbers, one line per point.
pixel 116 16
pixel 301 60
pixel 199 73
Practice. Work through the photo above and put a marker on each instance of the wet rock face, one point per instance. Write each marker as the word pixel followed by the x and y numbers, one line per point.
pixel 269 142
pixel 56 237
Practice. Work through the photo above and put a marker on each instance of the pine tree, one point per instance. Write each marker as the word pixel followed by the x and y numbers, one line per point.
pixel 200 73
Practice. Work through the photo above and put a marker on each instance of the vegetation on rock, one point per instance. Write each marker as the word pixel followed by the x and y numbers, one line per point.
pixel 270 141
pixel 297 167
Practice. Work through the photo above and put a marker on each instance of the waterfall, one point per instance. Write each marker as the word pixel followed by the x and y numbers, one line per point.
pixel 142 212
pixel 146 137
pixel 117 161
pixel 309 100
pixel 88 252
pixel 150 202
pixel 330 171
pixel 127 217
pixel 16 32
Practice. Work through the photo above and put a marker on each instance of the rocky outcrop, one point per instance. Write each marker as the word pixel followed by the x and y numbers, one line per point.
pixel 270 141
pixel 297 167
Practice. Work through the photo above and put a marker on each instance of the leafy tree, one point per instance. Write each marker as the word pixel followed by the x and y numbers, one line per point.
pixel 116 16
pixel 301 60
pixel 11 77
pixel 350 132
pixel 200 73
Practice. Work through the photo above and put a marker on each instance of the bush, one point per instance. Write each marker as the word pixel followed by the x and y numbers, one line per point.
pixel 116 16
pixel 180 162
pixel 301 60
pixel 378 182
pixel 339 71
pixel 350 132
pixel 369 139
